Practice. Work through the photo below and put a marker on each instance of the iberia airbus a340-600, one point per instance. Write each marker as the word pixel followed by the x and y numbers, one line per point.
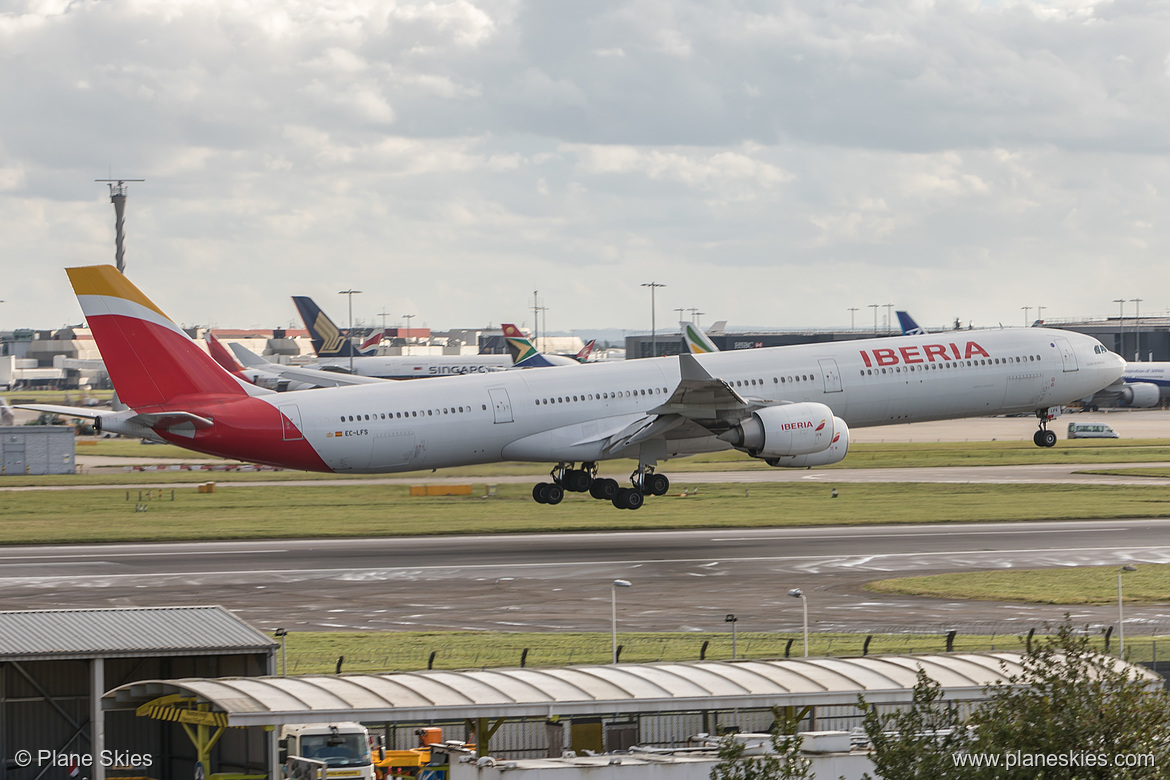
pixel 790 406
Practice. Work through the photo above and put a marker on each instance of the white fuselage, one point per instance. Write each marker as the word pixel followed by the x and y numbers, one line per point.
pixel 422 367
pixel 1154 373
pixel 566 414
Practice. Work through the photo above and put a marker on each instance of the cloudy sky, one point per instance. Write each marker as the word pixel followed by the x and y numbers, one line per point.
pixel 772 163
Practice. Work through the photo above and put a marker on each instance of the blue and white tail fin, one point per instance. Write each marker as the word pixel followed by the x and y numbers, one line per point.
pixel 908 325
pixel 328 340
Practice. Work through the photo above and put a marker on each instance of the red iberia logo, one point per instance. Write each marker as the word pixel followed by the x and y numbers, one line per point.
pixel 926 353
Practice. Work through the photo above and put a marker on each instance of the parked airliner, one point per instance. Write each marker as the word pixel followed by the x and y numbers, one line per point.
pixel 790 406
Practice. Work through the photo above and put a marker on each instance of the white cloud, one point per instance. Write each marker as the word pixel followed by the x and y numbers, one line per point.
pixel 944 155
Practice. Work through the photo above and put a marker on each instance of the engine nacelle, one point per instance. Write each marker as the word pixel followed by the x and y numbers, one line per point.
pixel 1141 395
pixel 836 452
pixel 781 431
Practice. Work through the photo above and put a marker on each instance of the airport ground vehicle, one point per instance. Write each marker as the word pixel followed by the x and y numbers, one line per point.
pixel 397 763
pixel 1086 430
pixel 343 746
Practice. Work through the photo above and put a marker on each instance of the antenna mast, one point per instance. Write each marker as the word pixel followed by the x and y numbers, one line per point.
pixel 118 198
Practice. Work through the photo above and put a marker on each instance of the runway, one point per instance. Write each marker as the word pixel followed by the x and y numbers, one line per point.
pixel 560 582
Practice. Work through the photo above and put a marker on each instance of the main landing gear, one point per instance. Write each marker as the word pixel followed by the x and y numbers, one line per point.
pixel 1044 437
pixel 585 480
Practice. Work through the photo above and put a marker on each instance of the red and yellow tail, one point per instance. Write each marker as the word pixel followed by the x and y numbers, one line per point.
pixel 149 359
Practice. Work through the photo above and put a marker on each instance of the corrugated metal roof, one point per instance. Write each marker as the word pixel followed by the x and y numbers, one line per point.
pixel 125 632
pixel 626 688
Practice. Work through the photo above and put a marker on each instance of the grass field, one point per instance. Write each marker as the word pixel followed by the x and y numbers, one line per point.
pixel 317 653
pixel 1149 584
pixel 294 511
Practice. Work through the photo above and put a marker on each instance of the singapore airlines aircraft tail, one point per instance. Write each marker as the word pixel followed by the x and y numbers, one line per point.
pixel 328 341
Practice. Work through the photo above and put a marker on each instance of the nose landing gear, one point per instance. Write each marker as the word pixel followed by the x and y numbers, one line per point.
pixel 1044 437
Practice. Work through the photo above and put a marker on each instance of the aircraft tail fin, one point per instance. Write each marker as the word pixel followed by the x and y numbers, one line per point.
pixel 150 360
pixel 695 340
pixel 370 345
pixel 586 352
pixel 220 355
pixel 908 325
pixel 328 340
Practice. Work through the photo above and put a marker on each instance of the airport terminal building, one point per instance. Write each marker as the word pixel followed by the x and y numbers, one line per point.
pixel 1137 340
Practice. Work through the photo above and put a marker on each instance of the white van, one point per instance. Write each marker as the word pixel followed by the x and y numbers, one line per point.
pixel 1081 430
pixel 344 747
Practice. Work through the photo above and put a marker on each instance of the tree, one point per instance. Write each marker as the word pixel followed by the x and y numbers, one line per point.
pixel 784 762
pixel 1070 712
pixel 1070 700
pixel 917 742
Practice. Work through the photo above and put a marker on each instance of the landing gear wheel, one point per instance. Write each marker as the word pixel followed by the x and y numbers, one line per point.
pixel 604 489
pixel 628 498
pixel 1044 438
pixel 540 492
pixel 657 484
pixel 555 494
pixel 577 480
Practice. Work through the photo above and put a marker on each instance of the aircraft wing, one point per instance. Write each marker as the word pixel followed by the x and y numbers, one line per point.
pixel 309 376
pixel 320 378
pixel 700 397
pixel 699 405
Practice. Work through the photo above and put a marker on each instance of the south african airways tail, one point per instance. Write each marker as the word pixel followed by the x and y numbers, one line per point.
pixel 525 355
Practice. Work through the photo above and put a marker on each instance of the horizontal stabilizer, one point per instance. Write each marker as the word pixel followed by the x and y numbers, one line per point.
pixel 88 413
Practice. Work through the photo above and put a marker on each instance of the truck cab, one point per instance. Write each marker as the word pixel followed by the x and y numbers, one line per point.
pixel 343 747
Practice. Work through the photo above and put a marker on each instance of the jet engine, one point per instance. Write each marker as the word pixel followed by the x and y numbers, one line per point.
pixel 836 452
pixel 786 430
pixel 1139 394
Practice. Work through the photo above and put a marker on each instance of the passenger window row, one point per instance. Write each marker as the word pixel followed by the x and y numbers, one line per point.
pixel 406 415
pixel 608 396
pixel 949 364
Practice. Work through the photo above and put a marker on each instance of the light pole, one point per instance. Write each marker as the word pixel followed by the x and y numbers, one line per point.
pixel 653 328
pixel 408 318
pixel 797 593
pixel 889 318
pixel 349 336
pixel 1040 313
pixel 853 317
pixel 875 307
pixel 1120 613
pixel 1120 325
pixel 613 611
pixel 282 633
pixel 1137 328
pixel 1026 310
pixel 695 314
pixel 732 619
